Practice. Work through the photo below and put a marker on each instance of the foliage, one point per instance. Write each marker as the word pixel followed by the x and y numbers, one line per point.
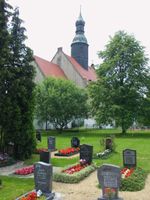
pixel 123 82
pixel 19 87
pixel 59 102
pixel 75 177
pixel 5 102
pixel 135 182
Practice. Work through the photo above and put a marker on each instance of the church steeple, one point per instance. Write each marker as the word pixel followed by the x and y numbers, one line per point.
pixel 79 46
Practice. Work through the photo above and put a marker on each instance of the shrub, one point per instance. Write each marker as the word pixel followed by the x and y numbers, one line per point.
pixel 135 182
pixel 75 177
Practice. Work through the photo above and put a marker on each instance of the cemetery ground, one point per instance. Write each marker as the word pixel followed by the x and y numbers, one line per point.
pixel 88 189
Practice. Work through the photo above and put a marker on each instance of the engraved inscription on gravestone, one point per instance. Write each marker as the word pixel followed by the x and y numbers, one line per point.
pixel 86 152
pixel 43 177
pixel 129 158
pixel 109 177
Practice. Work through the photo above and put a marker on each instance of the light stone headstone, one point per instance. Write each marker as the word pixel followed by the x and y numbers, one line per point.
pixel 109 178
pixel 129 158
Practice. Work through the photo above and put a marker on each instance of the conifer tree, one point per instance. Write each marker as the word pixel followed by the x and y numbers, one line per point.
pixel 5 102
pixel 20 127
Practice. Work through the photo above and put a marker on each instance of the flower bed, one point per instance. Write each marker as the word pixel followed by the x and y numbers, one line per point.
pixel 104 154
pixel 76 168
pixel 25 170
pixel 74 173
pixel 68 151
pixel 134 179
pixel 30 196
pixel 126 172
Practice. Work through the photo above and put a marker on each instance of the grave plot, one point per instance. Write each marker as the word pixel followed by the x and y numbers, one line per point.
pixel 77 172
pixel 68 151
pixel 43 183
pixel 74 149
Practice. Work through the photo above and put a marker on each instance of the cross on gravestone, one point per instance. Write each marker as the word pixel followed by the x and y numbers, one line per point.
pixel 43 178
pixel 51 141
pixel 75 142
pixel 129 158
pixel 45 156
pixel 109 177
pixel 86 153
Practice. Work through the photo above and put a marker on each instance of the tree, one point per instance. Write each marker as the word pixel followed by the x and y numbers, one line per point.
pixel 16 85
pixel 122 86
pixel 59 102
pixel 21 91
pixel 5 102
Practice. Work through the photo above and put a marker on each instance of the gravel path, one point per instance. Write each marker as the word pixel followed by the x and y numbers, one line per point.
pixel 86 189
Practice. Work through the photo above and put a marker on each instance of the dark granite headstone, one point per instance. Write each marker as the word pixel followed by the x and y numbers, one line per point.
pixel 43 177
pixel 75 142
pixel 108 143
pixel 45 156
pixel 38 135
pixel 86 153
pixel 109 178
pixel 129 158
pixel 51 141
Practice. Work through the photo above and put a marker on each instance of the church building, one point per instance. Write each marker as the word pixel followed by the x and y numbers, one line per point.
pixel 74 67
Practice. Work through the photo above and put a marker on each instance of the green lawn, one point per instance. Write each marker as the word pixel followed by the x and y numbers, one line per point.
pixel 138 140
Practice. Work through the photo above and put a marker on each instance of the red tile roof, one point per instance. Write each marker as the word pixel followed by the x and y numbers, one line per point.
pixel 89 75
pixel 49 68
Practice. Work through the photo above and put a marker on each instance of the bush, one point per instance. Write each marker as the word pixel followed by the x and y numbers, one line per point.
pixel 0 182
pixel 75 177
pixel 135 182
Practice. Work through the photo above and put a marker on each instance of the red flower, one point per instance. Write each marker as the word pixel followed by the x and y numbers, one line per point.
pixel 25 170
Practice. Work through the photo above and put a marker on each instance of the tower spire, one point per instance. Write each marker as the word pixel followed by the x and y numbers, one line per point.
pixel 79 46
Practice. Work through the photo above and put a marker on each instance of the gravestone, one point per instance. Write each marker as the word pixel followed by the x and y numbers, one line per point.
pixel 51 141
pixel 43 178
pixel 109 178
pixel 45 156
pixel 108 143
pixel 129 158
pixel 75 142
pixel 86 153
pixel 38 135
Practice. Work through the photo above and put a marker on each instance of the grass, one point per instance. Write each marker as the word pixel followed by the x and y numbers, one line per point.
pixel 138 140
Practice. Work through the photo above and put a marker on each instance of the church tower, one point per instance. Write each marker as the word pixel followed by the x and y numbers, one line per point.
pixel 79 46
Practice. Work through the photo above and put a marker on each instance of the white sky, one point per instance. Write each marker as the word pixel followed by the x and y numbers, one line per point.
pixel 51 23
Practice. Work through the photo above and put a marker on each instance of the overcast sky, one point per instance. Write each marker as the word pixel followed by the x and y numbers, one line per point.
pixel 51 23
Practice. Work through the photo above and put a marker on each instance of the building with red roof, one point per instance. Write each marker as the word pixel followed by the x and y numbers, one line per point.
pixel 74 67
